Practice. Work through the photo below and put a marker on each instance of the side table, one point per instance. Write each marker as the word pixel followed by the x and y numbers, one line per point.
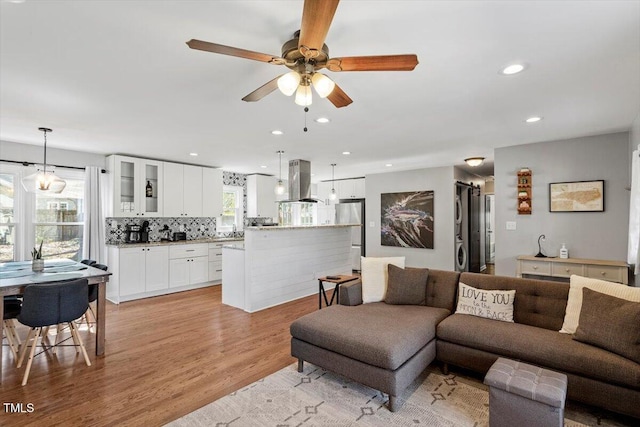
pixel 338 280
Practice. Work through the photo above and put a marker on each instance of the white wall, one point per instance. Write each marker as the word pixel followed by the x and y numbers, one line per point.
pixel 441 181
pixel 34 153
pixel 597 235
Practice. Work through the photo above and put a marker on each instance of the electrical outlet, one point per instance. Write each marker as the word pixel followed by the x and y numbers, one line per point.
pixel 511 225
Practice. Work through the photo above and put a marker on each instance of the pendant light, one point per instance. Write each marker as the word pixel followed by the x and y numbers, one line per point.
pixel 280 190
pixel 333 195
pixel 43 180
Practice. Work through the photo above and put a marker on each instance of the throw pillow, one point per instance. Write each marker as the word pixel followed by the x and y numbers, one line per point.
pixel 497 305
pixel 574 302
pixel 406 285
pixel 610 323
pixel 374 277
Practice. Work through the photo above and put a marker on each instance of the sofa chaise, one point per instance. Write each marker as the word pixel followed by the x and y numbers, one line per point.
pixel 387 347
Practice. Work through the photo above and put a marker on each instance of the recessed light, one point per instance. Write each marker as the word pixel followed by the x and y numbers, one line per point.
pixel 322 120
pixel 263 166
pixel 533 119
pixel 512 69
pixel 193 154
pixel 388 165
pixel 276 132
pixel 346 153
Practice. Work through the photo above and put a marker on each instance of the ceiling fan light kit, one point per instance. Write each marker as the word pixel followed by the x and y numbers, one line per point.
pixel 306 54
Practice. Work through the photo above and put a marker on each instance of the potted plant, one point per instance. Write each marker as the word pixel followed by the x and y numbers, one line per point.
pixel 37 263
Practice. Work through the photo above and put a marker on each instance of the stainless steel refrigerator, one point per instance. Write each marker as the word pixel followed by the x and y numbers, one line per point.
pixel 351 211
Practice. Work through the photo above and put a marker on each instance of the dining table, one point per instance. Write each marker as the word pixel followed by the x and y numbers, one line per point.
pixel 15 276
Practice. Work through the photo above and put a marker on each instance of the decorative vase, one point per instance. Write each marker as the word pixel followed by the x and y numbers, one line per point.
pixel 37 265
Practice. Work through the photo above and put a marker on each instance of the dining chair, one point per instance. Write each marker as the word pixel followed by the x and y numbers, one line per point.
pixel 93 296
pixel 12 306
pixel 52 304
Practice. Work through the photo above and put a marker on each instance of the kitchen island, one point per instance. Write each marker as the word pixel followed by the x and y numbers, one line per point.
pixel 280 264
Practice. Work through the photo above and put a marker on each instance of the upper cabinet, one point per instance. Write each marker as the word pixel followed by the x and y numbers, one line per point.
pixel 211 192
pixel 151 188
pixel 350 188
pixel 261 197
pixel 182 190
pixel 136 187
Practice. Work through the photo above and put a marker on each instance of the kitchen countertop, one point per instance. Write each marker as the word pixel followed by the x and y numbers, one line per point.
pixel 297 227
pixel 179 242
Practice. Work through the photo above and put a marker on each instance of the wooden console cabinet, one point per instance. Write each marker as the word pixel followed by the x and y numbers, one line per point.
pixel 612 271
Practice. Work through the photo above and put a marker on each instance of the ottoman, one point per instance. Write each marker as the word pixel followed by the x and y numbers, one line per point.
pixel 525 395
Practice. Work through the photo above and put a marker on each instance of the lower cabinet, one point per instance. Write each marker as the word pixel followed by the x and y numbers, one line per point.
pixel 143 269
pixel 188 264
pixel 140 271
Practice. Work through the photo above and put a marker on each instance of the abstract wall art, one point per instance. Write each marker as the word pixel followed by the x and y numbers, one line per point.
pixel 407 219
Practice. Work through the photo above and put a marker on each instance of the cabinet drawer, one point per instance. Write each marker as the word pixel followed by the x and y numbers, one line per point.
pixel 566 269
pixel 215 254
pixel 215 271
pixel 606 272
pixel 218 245
pixel 188 251
pixel 536 267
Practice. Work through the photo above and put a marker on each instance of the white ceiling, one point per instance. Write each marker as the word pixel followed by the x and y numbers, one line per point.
pixel 117 77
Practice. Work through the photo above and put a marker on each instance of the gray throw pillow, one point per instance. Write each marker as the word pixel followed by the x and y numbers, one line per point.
pixel 406 285
pixel 610 323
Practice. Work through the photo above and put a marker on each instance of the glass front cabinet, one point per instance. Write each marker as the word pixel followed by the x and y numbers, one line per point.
pixel 137 186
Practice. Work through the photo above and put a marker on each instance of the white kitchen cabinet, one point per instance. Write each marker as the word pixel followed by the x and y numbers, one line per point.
pixel 324 191
pixel 351 188
pixel 182 190
pixel 137 187
pixel 142 269
pixel 261 197
pixel 188 264
pixel 211 192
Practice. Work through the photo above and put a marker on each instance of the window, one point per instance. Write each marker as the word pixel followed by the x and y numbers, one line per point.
pixel 7 216
pixel 232 211
pixel 59 220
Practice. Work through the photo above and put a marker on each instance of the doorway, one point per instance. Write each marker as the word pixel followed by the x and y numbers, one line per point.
pixel 490 237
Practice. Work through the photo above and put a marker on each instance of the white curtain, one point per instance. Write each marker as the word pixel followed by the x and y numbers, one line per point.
pixel 634 213
pixel 94 222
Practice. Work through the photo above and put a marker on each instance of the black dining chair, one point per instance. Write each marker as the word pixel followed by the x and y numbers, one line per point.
pixel 93 296
pixel 12 306
pixel 52 304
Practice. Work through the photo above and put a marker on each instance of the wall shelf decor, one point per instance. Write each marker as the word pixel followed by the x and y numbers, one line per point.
pixel 524 191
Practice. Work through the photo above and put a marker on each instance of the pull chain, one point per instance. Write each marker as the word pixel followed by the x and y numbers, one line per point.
pixel 306 110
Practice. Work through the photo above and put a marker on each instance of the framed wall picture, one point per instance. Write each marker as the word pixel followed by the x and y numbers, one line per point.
pixel 577 196
pixel 407 219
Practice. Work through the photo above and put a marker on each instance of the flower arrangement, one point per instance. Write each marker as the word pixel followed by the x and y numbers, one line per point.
pixel 37 253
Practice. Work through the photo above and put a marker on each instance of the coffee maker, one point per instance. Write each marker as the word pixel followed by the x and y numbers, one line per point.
pixel 133 234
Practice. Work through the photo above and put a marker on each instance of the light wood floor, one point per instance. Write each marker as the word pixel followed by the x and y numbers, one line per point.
pixel 165 357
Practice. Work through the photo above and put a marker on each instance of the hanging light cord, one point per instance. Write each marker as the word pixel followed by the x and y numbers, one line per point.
pixel 45 150
pixel 306 110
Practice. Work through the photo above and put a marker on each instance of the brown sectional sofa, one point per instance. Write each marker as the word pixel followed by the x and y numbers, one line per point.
pixel 387 346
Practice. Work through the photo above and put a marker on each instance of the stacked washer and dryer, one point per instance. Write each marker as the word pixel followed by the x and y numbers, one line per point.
pixel 467 227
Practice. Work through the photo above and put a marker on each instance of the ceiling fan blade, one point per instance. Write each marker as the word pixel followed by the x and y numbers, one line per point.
pixel 316 19
pixel 339 98
pixel 374 63
pixel 262 91
pixel 234 51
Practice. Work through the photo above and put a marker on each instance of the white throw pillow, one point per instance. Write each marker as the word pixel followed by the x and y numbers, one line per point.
pixel 374 277
pixel 496 305
pixel 574 302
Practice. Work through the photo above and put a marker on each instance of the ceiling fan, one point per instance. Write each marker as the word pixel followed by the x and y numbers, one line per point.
pixel 306 54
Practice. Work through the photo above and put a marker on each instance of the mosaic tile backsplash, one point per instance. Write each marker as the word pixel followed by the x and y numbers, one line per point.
pixel 196 228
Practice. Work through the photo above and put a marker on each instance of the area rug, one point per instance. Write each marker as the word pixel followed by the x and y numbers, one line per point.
pixel 317 397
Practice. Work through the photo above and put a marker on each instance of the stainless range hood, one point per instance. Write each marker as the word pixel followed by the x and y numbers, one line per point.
pixel 300 181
